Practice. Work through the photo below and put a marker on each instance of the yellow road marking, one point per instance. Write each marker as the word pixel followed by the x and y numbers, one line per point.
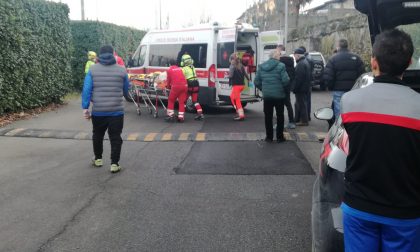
pixel 45 134
pixel 303 136
pixel 81 135
pixel 251 136
pixel 321 135
pixel 150 137
pixel 200 137
pixel 287 136
pixel 183 137
pixel 167 137
pixel 14 132
pixel 132 137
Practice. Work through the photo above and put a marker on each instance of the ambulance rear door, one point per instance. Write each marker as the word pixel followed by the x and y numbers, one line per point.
pixel 247 44
pixel 226 43
pixel 268 43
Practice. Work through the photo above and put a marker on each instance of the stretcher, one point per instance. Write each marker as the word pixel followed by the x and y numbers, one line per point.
pixel 148 91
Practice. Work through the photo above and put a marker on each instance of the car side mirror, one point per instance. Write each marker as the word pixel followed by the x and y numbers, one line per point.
pixel 324 114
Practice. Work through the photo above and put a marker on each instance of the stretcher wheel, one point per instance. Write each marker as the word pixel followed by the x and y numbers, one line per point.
pixel 138 112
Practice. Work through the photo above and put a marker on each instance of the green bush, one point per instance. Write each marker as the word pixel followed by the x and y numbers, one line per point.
pixel 91 35
pixel 35 53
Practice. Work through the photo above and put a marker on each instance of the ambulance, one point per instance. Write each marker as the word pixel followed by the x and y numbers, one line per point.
pixel 210 47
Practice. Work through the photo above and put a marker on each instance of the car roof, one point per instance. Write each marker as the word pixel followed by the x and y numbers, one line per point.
pixel 386 14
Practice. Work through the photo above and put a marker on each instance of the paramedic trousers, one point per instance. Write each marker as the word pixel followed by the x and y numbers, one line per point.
pixel 367 236
pixel 193 88
pixel 114 125
pixel 180 93
pixel 235 97
pixel 269 106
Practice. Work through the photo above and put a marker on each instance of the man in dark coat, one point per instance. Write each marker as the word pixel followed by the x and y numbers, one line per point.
pixel 290 69
pixel 341 73
pixel 301 87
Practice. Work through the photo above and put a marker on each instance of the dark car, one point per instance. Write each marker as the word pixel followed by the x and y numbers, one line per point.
pixel 328 191
pixel 318 65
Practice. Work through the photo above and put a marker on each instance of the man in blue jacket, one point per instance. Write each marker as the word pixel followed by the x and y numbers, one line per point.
pixel 104 86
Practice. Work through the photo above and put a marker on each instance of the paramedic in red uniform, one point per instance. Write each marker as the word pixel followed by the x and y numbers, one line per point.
pixel 178 84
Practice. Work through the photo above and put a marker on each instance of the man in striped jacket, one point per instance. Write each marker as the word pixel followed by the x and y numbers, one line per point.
pixel 381 203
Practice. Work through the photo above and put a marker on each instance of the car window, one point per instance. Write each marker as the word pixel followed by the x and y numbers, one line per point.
pixel 414 31
pixel 224 50
pixel 139 57
pixel 316 57
pixel 161 54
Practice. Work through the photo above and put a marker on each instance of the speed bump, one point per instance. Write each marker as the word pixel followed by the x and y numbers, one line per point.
pixel 164 137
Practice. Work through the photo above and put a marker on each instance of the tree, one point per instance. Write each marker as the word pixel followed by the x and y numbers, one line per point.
pixel 296 5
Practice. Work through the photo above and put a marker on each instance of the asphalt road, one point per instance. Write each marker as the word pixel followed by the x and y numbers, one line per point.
pixel 171 195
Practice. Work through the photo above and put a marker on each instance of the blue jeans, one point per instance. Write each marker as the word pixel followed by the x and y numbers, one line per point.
pixel 336 101
pixel 368 236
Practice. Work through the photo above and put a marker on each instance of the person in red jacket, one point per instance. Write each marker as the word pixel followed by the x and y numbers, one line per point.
pixel 179 88
pixel 119 60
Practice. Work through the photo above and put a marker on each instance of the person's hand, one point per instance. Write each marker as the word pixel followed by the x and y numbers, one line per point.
pixel 86 114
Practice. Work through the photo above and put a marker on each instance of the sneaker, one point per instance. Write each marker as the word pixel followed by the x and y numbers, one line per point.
pixel 199 117
pixel 115 168
pixel 290 126
pixel 97 162
pixel 180 120
pixel 238 118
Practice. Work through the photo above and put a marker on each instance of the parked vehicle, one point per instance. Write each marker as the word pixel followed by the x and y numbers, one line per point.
pixel 318 66
pixel 328 191
pixel 210 47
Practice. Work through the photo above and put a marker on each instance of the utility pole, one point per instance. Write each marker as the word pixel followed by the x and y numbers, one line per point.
pixel 83 9
pixel 160 14
pixel 286 23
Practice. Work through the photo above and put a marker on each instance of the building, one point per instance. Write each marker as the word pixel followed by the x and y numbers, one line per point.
pixel 333 6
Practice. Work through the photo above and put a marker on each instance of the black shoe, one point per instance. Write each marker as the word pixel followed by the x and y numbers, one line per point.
pixel 302 124
pixel 281 140
pixel 170 119
pixel 180 120
pixel 268 140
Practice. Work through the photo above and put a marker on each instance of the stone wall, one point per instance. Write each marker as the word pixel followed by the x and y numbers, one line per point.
pixel 323 37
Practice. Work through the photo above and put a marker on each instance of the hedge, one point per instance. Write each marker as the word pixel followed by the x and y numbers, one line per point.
pixel 91 35
pixel 35 53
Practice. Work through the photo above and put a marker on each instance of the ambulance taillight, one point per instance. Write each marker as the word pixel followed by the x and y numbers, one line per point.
pixel 212 76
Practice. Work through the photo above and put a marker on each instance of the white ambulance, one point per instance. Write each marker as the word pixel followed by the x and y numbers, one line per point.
pixel 210 46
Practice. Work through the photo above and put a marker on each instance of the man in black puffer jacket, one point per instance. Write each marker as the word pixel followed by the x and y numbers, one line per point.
pixel 341 72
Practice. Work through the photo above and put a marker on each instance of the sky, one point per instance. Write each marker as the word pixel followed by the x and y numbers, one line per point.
pixel 144 14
